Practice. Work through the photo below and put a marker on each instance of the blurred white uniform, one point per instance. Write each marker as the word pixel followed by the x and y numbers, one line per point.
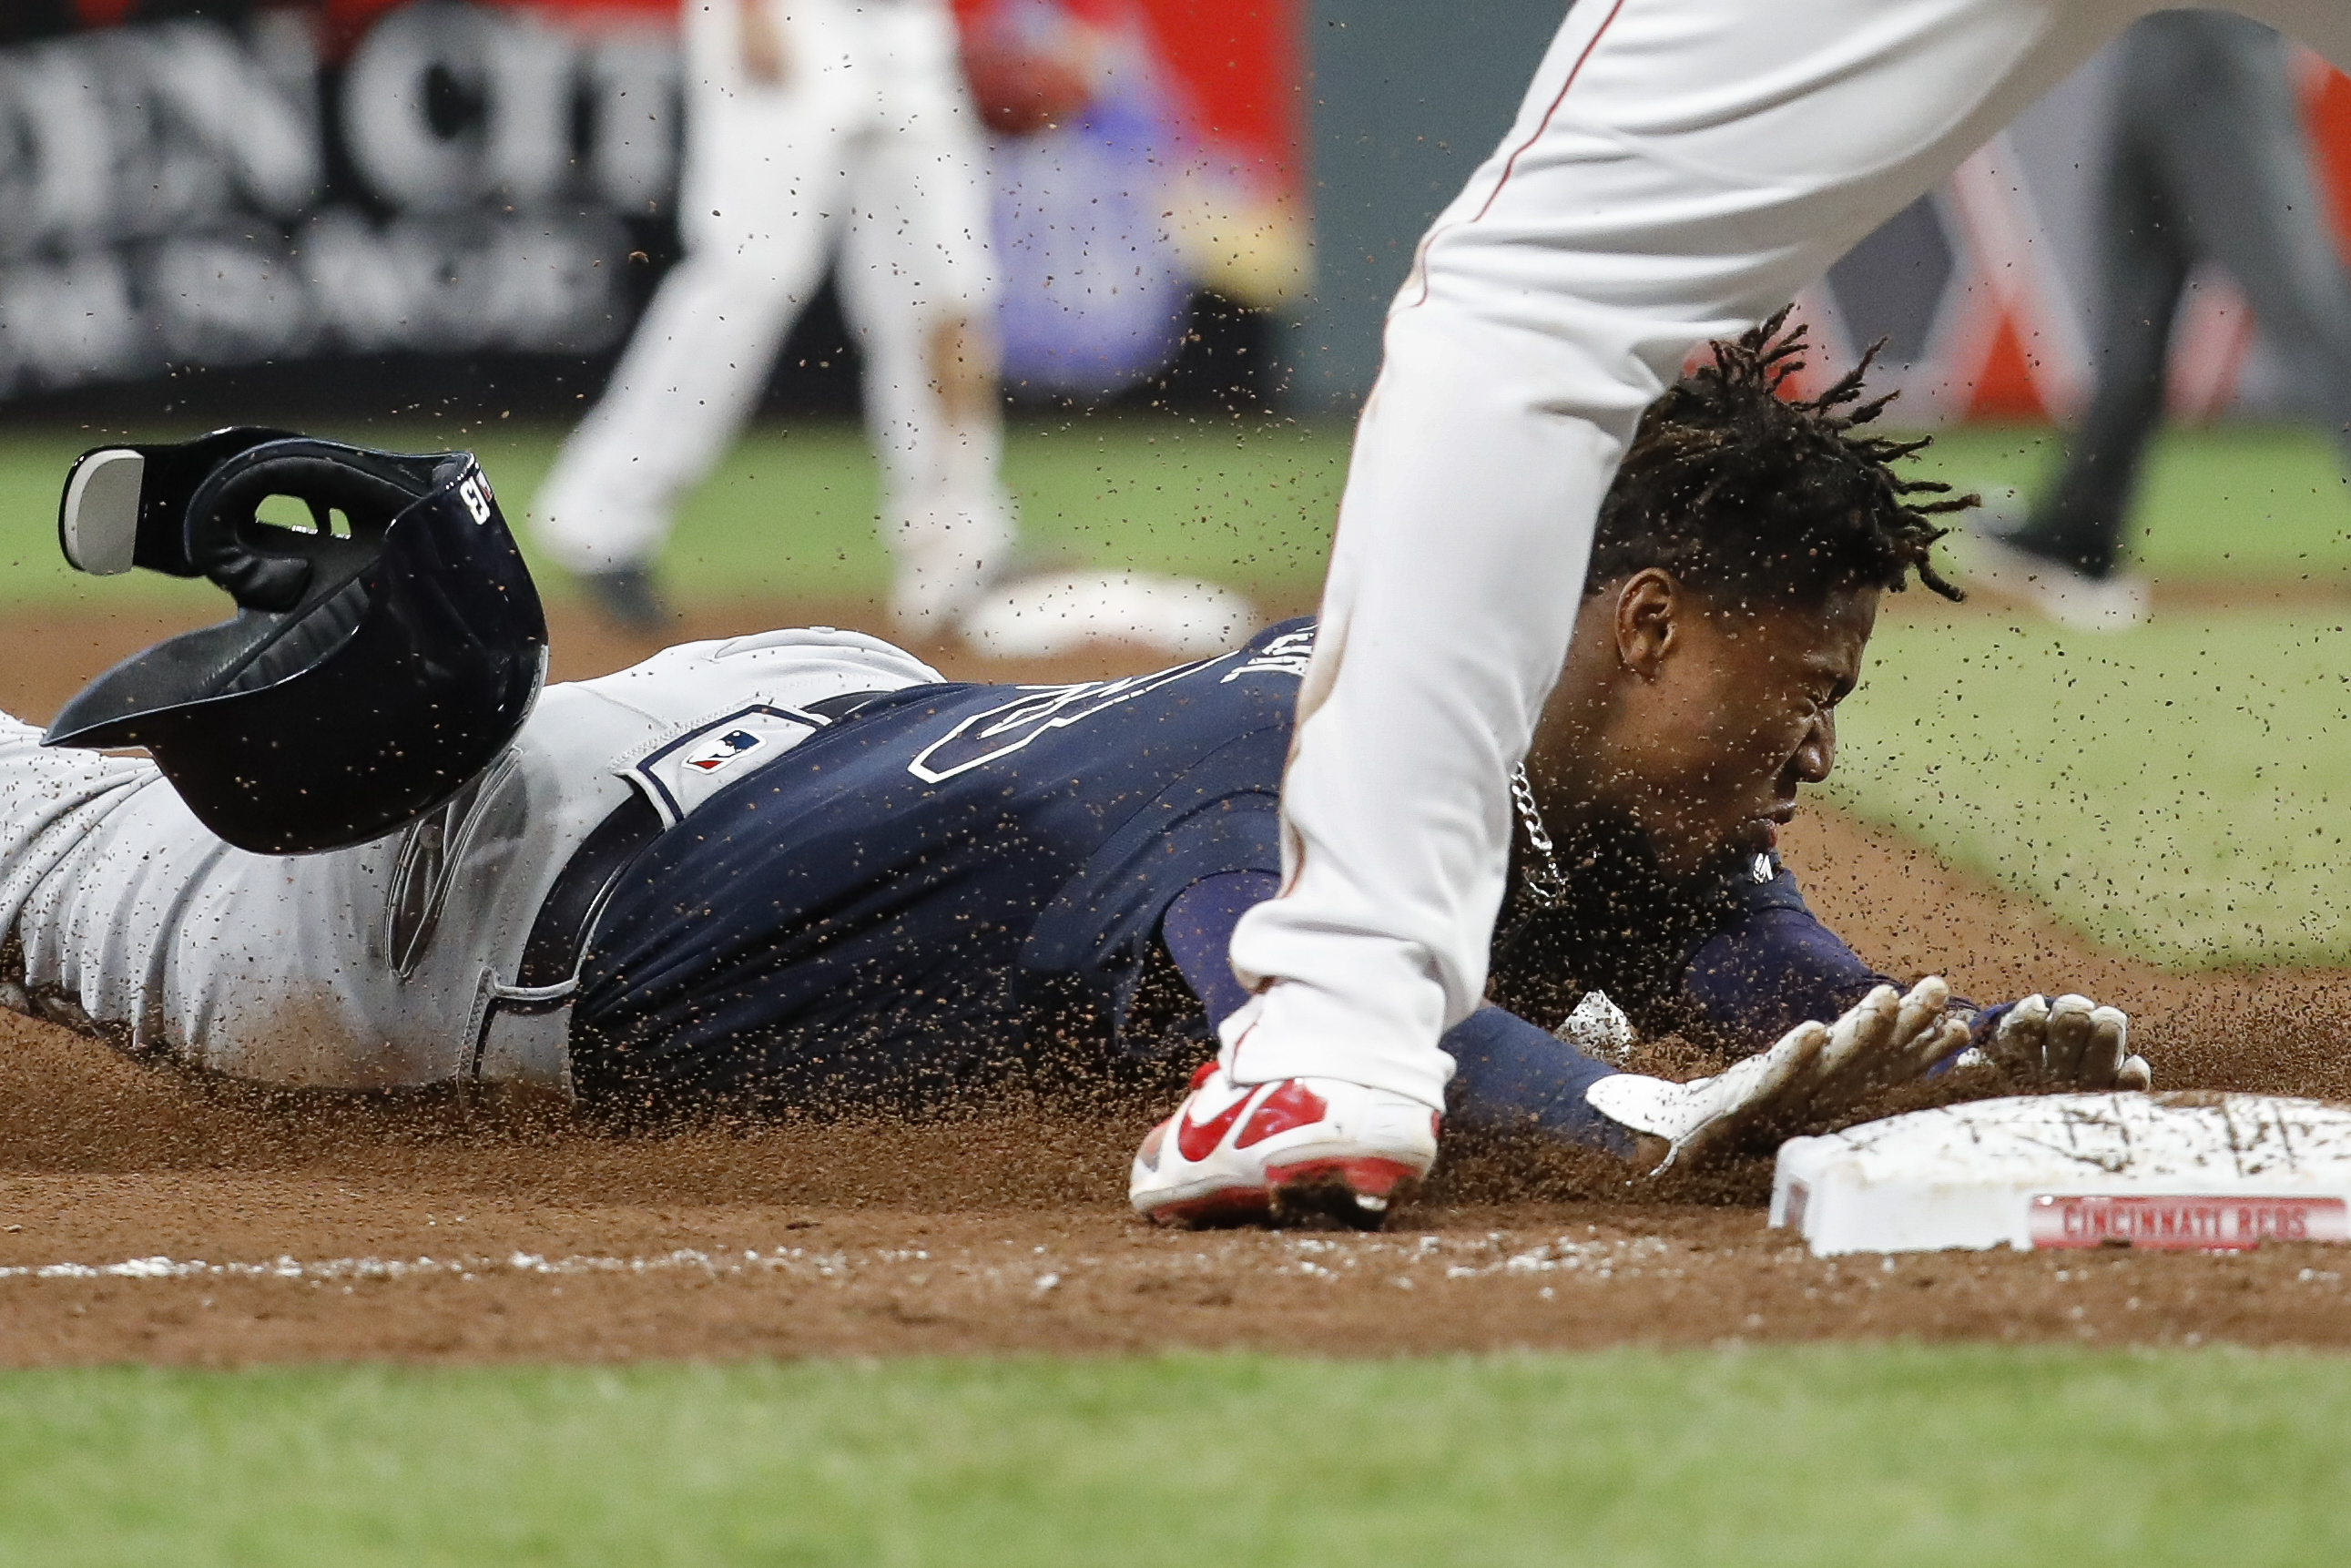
pixel 867 146
pixel 1680 169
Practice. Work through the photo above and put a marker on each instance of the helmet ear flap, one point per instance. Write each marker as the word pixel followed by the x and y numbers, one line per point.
pixel 98 516
pixel 126 505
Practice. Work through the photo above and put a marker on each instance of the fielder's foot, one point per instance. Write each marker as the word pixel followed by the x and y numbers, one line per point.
pixel 2058 589
pixel 1295 1150
pixel 626 597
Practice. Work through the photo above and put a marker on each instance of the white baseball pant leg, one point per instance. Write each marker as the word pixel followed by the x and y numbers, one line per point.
pixel 917 280
pixel 1680 169
pixel 134 921
pixel 763 195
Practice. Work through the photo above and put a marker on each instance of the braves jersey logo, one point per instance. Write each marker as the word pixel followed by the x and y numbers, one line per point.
pixel 1285 655
pixel 1000 732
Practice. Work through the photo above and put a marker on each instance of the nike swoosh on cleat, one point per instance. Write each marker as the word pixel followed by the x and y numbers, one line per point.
pixel 1196 1141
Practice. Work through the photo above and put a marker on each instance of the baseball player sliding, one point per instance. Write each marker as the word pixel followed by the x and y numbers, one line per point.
pixel 823 130
pixel 1680 169
pixel 796 871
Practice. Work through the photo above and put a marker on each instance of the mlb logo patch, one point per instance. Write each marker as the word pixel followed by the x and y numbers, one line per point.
pixel 680 774
pixel 728 748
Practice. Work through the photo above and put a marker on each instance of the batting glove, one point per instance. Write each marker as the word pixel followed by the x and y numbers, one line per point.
pixel 2071 1044
pixel 1814 1072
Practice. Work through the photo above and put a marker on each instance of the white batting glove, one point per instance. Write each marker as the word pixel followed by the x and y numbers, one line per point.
pixel 1815 1072
pixel 2071 1044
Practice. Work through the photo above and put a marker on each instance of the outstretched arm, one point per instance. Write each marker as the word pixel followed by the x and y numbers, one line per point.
pixel 1774 966
pixel 1770 967
pixel 1514 1076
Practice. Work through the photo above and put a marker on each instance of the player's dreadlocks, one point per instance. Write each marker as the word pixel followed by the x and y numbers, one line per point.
pixel 1731 486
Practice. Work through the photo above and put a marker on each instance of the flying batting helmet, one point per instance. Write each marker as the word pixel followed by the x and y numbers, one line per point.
pixel 378 660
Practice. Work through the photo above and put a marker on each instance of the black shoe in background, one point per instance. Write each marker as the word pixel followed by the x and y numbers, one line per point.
pixel 625 596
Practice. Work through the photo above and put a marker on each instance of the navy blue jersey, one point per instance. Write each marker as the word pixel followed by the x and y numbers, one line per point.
pixel 1728 956
pixel 915 890
pixel 951 873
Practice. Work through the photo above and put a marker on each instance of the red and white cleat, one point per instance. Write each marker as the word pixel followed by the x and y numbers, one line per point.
pixel 1281 1153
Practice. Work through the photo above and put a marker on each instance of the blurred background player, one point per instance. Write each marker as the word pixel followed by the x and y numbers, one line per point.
pixel 2208 163
pixel 816 132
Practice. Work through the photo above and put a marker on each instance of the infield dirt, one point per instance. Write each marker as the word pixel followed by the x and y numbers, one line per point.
pixel 145 1218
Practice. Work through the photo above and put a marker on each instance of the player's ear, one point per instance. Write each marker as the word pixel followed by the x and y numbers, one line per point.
pixel 1649 604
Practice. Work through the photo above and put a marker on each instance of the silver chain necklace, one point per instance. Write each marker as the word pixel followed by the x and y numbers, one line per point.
pixel 1546 883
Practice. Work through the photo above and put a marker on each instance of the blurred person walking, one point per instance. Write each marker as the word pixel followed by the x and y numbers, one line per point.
pixel 823 130
pixel 2208 163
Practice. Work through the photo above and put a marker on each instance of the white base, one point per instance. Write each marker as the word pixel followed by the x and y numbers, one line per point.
pixel 1046 616
pixel 2206 1172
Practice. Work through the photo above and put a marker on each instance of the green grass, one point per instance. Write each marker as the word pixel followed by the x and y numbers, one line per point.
pixel 1817 1457
pixel 2170 791
pixel 791 512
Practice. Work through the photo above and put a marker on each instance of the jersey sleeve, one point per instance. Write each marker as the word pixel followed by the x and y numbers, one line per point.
pixel 1511 1075
pixel 1197 932
pixel 1219 815
pixel 1087 949
pixel 1768 965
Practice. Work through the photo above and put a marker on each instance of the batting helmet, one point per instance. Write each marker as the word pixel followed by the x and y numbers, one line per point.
pixel 373 669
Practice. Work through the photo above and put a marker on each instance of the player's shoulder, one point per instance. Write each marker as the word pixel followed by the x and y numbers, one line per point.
pixel 1196 705
pixel 795 665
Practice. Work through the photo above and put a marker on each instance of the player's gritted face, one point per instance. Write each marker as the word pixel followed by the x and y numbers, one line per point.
pixel 1696 720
